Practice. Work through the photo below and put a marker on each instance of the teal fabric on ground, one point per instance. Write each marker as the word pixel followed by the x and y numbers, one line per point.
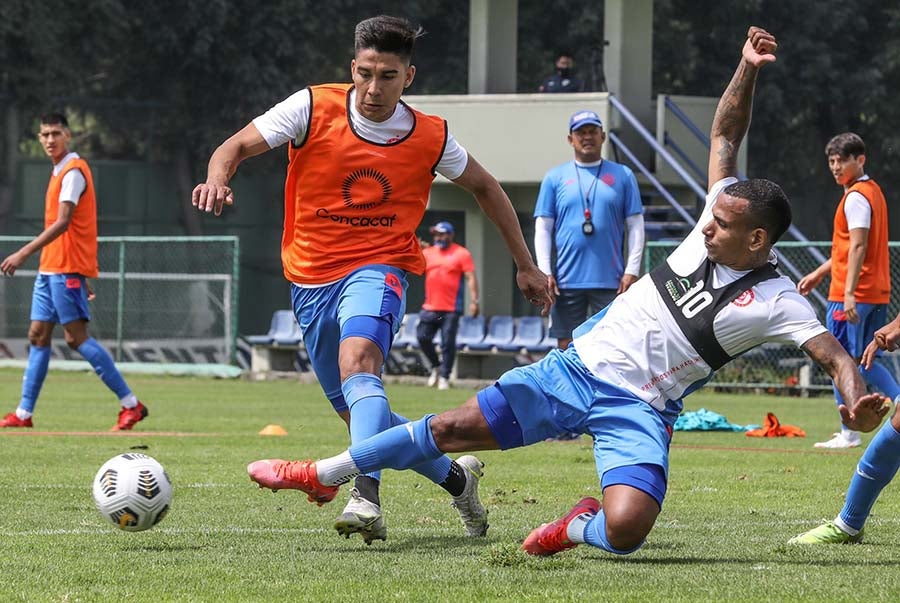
pixel 707 420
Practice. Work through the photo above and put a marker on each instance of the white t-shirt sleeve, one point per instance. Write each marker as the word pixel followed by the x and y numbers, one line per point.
pixel 857 211
pixel 543 243
pixel 635 243
pixel 454 160
pixel 793 320
pixel 73 185
pixel 286 121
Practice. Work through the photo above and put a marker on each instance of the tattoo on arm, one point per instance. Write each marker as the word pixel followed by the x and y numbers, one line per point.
pixel 731 120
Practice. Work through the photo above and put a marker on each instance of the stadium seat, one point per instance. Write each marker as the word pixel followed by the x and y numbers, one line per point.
pixel 529 333
pixel 294 337
pixel 406 337
pixel 282 326
pixel 547 343
pixel 500 332
pixel 471 331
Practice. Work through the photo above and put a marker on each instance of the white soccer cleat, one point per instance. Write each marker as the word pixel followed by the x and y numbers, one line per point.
pixel 846 438
pixel 467 504
pixel 363 517
pixel 433 378
pixel 443 383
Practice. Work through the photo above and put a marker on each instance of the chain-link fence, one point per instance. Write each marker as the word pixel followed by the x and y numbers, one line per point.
pixel 158 299
pixel 781 367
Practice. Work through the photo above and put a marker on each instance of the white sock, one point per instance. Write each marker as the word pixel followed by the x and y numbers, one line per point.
pixel 575 529
pixel 22 413
pixel 843 527
pixel 337 469
pixel 129 401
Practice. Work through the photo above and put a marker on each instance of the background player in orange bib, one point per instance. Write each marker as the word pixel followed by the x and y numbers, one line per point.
pixel 68 246
pixel 859 267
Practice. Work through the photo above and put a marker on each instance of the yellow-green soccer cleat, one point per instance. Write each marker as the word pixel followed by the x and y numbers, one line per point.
pixel 827 533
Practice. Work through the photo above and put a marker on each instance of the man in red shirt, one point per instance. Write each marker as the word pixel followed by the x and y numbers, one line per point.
pixel 446 263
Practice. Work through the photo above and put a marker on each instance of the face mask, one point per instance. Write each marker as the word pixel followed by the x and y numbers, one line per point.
pixel 565 72
pixel 442 243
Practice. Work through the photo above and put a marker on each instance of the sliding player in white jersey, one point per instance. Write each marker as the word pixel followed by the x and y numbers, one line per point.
pixel 623 379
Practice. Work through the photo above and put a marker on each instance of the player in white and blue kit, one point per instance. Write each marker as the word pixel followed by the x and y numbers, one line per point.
pixel 622 381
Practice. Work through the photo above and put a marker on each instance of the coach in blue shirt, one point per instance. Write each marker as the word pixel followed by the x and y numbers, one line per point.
pixel 585 211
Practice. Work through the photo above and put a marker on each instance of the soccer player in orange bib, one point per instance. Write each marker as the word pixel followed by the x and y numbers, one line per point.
pixel 859 267
pixel 68 246
pixel 361 164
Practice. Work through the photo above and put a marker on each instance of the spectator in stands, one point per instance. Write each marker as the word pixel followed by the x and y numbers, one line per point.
pixel 859 267
pixel 361 164
pixel 876 468
pixel 623 379
pixel 68 246
pixel 563 80
pixel 446 265
pixel 586 210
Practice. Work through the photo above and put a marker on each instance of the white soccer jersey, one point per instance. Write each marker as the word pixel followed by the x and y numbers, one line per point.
pixel 637 345
pixel 289 119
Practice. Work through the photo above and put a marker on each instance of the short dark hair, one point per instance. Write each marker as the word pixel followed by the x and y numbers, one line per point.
pixel 54 117
pixel 564 53
pixel 387 34
pixel 845 145
pixel 768 206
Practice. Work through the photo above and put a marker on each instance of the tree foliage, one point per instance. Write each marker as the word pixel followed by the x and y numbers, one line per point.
pixel 169 80
pixel 838 69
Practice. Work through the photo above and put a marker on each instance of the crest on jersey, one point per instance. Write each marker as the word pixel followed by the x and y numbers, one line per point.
pixel 366 188
pixel 744 299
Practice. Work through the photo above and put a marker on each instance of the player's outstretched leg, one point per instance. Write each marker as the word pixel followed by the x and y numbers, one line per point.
pixel 551 538
pixel 277 474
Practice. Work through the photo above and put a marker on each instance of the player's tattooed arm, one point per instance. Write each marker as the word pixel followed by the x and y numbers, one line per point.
pixel 732 117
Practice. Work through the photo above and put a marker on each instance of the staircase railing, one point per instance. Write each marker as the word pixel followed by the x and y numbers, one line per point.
pixel 645 134
pixel 675 110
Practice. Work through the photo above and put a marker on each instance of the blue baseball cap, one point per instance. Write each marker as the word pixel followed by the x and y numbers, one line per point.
pixel 583 118
pixel 442 228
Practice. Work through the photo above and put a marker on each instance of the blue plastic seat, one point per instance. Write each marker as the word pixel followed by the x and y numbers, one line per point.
pixel 471 331
pixel 282 326
pixel 546 344
pixel 294 337
pixel 500 332
pixel 529 333
pixel 406 336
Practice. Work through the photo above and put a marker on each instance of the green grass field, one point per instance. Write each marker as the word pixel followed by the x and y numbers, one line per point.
pixel 732 503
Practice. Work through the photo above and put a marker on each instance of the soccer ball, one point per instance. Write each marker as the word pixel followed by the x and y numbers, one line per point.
pixel 132 491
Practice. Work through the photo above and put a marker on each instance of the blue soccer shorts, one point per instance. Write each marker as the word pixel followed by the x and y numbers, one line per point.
pixel 328 315
pixel 560 395
pixel 60 298
pixel 855 337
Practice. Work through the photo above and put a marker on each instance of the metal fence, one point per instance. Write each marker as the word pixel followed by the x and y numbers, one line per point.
pixel 776 367
pixel 158 299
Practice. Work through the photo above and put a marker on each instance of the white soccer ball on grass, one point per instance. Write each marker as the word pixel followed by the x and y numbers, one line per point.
pixel 132 491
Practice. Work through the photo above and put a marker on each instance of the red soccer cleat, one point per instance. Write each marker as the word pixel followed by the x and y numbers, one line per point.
pixel 11 420
pixel 277 474
pixel 551 538
pixel 129 416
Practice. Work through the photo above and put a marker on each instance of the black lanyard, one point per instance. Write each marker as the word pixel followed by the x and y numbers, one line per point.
pixel 588 226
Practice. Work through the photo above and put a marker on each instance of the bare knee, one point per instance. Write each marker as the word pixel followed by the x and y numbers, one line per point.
pixel 39 334
pixel 462 429
pixel 629 518
pixel 359 355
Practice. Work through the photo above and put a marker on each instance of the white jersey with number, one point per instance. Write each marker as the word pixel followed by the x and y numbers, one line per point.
pixel 636 344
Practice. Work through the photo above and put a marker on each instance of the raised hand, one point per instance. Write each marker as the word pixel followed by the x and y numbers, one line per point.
pixel 760 47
